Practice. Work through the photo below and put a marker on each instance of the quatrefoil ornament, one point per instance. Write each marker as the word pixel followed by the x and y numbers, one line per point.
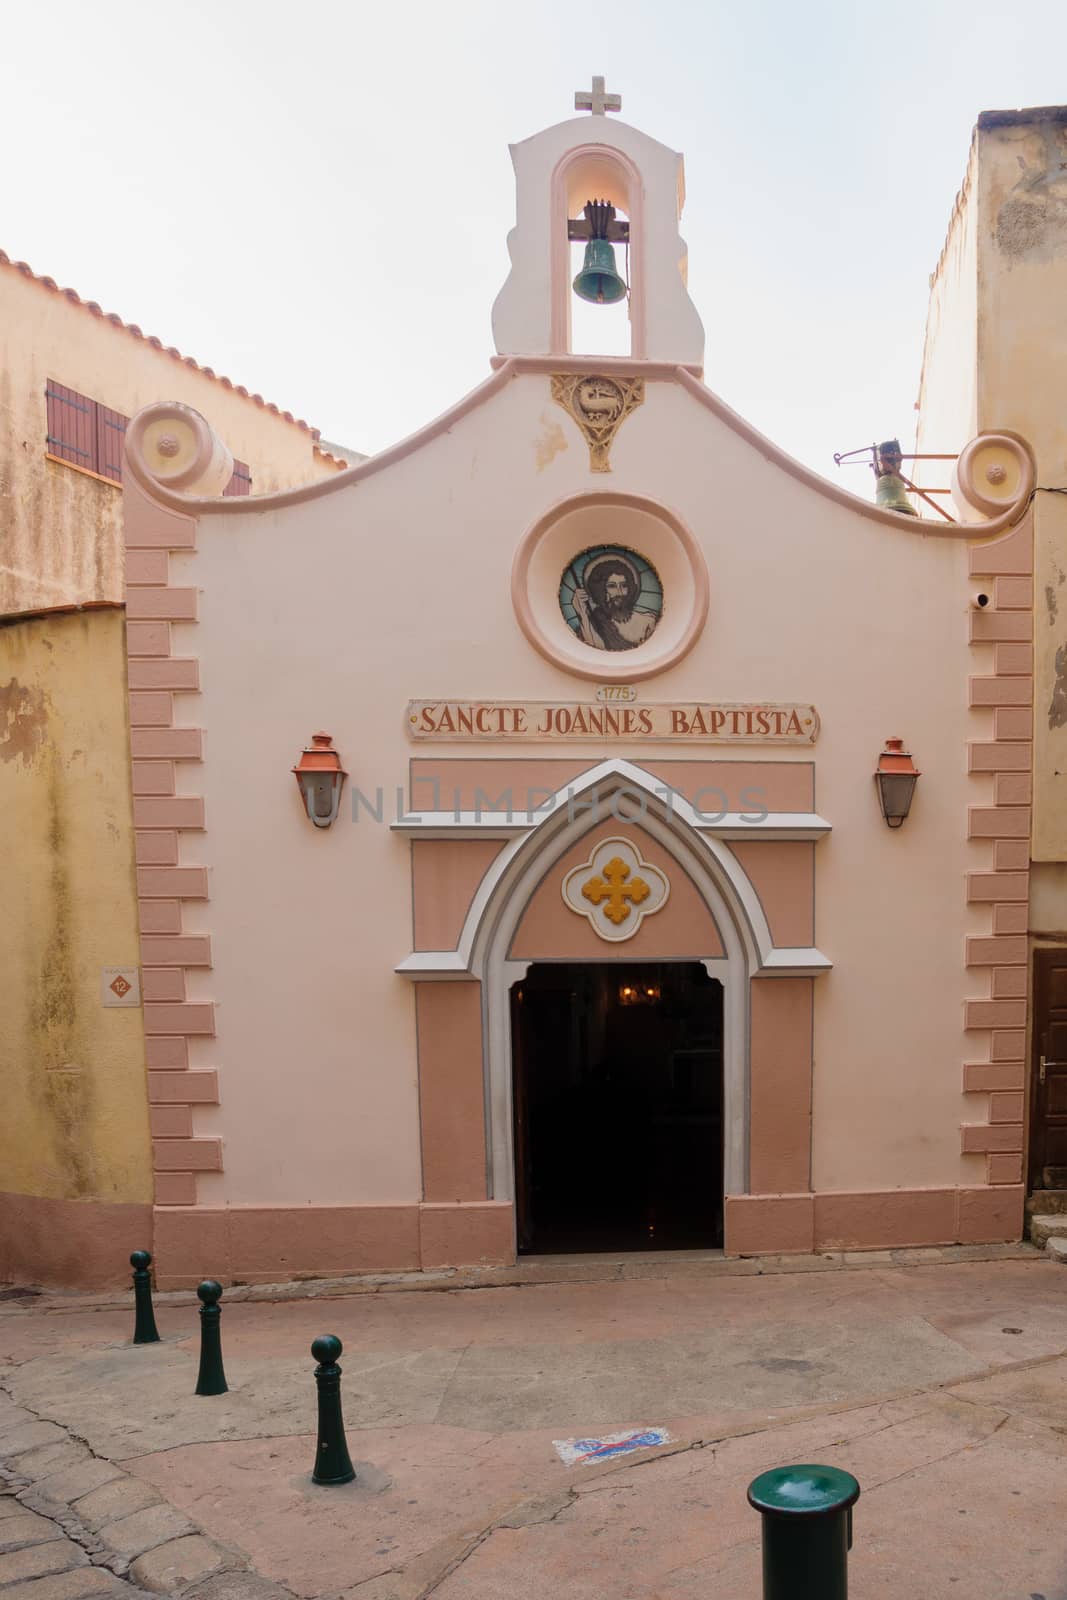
pixel 616 889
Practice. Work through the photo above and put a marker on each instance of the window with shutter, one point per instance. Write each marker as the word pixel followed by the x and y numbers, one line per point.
pixel 71 426
pixel 241 482
pixel 83 432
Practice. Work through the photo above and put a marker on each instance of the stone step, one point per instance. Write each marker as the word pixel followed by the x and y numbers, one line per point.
pixel 1042 1229
pixel 1043 1202
pixel 1057 1249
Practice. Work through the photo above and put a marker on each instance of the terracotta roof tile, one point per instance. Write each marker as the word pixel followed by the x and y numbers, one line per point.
pixel 157 344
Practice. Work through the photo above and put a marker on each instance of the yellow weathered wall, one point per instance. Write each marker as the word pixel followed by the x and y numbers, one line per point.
pixel 60 529
pixel 1022 336
pixel 996 357
pixel 75 1109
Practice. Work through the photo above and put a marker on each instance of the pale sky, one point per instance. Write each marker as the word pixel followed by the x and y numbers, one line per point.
pixel 314 200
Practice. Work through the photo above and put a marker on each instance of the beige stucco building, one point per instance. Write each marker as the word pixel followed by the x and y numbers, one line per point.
pixel 996 359
pixel 75 1136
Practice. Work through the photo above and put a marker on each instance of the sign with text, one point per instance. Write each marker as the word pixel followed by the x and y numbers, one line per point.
pixel 711 722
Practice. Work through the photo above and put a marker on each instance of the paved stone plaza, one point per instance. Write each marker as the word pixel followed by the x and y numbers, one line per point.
pixel 938 1377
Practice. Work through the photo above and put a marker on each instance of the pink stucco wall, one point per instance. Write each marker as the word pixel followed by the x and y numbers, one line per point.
pixel 334 611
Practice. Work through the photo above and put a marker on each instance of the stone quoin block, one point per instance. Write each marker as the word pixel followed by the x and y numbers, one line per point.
pixel 999 691
pixel 162 984
pixel 187 1155
pixel 174 673
pixel 1013 593
pixel 175 1189
pixel 1011 918
pixel 1013 722
pixel 994 1013
pixel 163 605
pixel 994 886
pixel 181 950
pixel 1003 1138
pixel 998 757
pixel 160 916
pixel 981 1077
pixel 998 626
pixel 1010 983
pixel 147 638
pixel 153 777
pixel 998 822
pixel 147 567
pixel 166 744
pixel 192 1088
pixel 170 1122
pixel 1005 1169
pixel 190 1018
pixel 167 1055
pixel 156 849
pixel 151 708
pixel 163 883
pixel 168 811
pixel 996 952
pixel 1013 789
pixel 1010 660
pixel 1006 1107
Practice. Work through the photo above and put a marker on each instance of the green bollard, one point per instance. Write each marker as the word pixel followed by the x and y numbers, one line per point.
pixel 144 1320
pixel 211 1379
pixel 807 1531
pixel 332 1461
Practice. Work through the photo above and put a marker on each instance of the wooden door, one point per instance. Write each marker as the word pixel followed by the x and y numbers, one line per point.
pixel 1048 1095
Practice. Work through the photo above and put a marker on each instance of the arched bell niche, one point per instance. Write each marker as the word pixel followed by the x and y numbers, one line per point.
pixel 594 172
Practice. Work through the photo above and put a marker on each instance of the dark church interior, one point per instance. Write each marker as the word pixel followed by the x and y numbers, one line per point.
pixel 618 1107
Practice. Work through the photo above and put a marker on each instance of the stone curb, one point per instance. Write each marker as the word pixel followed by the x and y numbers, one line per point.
pixel 528 1273
pixel 67 1514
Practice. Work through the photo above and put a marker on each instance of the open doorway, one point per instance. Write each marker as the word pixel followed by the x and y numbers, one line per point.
pixel 618 1107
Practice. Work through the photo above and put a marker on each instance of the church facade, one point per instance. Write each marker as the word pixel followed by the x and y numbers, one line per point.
pixel 587 924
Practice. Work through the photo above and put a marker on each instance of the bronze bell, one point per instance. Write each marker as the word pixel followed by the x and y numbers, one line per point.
pixel 889 490
pixel 599 279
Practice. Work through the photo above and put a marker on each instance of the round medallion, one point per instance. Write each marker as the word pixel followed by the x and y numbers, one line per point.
pixel 611 598
pixel 610 586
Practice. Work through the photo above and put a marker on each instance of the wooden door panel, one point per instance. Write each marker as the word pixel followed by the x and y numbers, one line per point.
pixel 1048 1102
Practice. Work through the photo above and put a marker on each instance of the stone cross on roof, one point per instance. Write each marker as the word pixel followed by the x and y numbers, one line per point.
pixel 596 101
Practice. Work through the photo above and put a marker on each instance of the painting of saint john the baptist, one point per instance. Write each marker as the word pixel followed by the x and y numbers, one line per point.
pixel 609 602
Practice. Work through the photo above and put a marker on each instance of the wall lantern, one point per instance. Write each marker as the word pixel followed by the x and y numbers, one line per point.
pixel 320 778
pixel 896 777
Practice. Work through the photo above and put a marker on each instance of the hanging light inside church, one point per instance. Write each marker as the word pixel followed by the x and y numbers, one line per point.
pixel 599 280
pixel 896 776
pixel 320 778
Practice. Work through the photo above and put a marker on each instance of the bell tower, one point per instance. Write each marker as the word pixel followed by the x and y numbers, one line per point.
pixel 558 172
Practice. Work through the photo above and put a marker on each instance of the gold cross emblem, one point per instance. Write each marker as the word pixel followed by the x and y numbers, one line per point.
pixel 619 894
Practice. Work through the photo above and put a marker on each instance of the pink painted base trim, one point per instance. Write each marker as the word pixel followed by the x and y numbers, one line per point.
pixel 793 1224
pixel 79 1244
pixel 275 1244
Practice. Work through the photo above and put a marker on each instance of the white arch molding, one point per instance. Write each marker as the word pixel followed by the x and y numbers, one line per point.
pixel 695 844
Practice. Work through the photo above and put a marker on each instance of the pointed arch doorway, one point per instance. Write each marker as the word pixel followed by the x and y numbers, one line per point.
pixel 617 1097
pixel 499 876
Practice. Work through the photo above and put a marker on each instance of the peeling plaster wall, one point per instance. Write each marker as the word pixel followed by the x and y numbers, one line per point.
pixel 996 357
pixel 75 1109
pixel 62 529
pixel 1023 371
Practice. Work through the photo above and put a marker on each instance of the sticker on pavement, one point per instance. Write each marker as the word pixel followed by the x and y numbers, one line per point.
pixel 584 1452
